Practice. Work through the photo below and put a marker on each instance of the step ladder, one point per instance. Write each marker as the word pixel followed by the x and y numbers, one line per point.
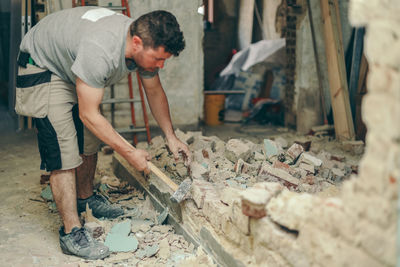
pixel 124 8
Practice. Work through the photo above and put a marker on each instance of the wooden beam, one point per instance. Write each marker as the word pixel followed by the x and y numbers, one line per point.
pixel 343 120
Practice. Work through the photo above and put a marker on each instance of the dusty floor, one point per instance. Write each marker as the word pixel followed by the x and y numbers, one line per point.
pixel 29 231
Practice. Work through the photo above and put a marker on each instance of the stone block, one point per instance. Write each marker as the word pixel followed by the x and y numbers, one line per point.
pixel 237 149
pixel 293 153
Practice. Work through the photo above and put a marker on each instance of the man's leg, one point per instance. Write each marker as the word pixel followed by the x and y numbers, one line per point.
pixel 64 193
pixel 85 176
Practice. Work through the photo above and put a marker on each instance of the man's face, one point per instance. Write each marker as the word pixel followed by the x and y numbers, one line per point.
pixel 151 59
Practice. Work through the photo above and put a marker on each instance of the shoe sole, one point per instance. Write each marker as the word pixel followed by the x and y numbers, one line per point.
pixel 67 252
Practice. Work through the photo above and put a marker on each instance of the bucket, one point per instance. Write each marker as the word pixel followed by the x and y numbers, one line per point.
pixel 214 109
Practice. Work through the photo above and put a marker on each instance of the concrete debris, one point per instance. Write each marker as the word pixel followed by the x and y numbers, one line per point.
pixel 95 229
pixel 118 239
pixel 237 149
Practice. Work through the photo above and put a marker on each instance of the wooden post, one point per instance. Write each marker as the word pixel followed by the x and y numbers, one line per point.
pixel 343 120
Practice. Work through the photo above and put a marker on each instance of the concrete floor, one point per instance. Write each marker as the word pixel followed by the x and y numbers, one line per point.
pixel 28 231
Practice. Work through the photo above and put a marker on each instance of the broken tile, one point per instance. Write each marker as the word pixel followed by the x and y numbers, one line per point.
pixel 271 150
pixel 151 250
pixel 118 239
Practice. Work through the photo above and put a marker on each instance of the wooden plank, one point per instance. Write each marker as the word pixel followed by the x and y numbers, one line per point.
pixel 343 120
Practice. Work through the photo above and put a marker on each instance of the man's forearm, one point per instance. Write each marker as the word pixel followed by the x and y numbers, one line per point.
pixel 159 108
pixel 100 127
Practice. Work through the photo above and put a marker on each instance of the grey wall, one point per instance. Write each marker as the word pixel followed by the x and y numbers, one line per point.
pixel 182 77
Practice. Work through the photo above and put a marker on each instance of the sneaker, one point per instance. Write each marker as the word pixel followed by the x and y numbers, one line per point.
pixel 81 244
pixel 100 207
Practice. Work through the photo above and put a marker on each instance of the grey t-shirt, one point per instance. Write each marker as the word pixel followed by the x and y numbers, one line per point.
pixel 84 42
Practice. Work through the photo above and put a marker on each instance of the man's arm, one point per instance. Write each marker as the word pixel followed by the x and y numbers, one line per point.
pixel 159 108
pixel 89 100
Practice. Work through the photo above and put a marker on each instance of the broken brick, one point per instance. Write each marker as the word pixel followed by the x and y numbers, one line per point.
pixel 254 202
pixel 293 153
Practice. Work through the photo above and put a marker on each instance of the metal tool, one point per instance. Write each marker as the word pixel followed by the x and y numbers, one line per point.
pixel 179 191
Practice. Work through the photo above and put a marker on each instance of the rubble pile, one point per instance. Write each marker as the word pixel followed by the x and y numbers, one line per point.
pixel 138 238
pixel 240 163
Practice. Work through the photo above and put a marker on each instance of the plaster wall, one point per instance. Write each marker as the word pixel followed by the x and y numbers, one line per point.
pixel 182 76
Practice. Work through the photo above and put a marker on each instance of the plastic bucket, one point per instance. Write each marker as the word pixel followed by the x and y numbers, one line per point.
pixel 214 109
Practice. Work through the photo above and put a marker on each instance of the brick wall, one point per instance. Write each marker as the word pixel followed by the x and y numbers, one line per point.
pixel 356 228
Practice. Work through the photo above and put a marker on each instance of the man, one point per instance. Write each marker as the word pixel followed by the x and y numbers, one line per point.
pixel 67 59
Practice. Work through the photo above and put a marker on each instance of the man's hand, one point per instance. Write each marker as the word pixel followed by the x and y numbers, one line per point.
pixel 138 158
pixel 178 147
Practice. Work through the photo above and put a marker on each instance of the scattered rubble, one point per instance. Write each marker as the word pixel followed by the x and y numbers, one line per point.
pixel 301 165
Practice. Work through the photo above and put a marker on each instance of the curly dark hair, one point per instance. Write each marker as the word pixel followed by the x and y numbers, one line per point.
pixel 159 28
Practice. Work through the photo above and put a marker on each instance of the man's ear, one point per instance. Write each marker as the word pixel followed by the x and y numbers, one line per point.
pixel 137 42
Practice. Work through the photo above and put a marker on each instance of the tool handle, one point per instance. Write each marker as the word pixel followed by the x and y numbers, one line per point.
pixel 162 176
